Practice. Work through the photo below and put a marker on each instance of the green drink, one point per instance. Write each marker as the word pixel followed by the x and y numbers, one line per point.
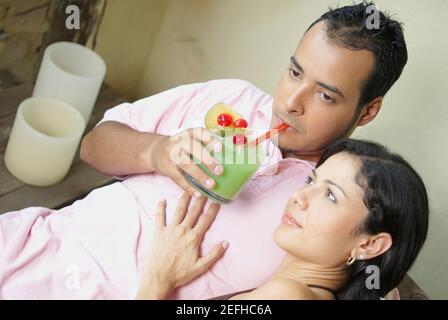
pixel 240 161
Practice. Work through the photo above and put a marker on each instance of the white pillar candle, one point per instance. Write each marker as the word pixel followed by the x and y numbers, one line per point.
pixel 72 73
pixel 43 141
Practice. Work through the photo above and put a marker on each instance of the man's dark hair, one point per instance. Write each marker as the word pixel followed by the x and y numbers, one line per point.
pixel 347 27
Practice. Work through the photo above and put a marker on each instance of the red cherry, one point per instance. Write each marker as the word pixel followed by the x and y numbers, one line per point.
pixel 239 139
pixel 224 120
pixel 240 123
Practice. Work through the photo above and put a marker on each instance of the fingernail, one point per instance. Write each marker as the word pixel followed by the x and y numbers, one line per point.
pixel 163 201
pixel 218 169
pixel 217 147
pixel 209 183
pixel 225 244
pixel 197 194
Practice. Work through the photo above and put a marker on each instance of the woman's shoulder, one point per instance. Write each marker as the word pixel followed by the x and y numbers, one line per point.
pixel 280 289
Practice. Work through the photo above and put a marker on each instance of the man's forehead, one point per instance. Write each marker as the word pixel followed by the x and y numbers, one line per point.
pixel 326 61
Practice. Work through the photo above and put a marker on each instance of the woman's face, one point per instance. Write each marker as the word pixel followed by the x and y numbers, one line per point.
pixel 320 219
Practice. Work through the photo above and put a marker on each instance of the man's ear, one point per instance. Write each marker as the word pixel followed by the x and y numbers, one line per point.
pixel 370 111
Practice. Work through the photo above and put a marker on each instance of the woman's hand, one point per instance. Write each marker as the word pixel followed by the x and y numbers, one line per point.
pixel 174 259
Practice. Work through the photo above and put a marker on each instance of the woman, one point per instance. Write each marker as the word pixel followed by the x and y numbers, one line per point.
pixel 363 209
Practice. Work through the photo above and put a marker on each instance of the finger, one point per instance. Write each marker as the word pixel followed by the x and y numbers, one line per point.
pixel 208 142
pixel 206 137
pixel 161 214
pixel 178 177
pixel 202 155
pixel 206 262
pixel 181 208
pixel 194 212
pixel 196 173
pixel 207 218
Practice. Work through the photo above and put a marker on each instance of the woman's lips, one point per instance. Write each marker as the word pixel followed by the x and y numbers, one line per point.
pixel 287 219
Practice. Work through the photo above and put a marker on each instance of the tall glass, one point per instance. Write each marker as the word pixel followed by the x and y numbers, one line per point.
pixel 240 162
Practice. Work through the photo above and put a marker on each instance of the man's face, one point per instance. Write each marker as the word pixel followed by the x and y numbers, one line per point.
pixel 318 93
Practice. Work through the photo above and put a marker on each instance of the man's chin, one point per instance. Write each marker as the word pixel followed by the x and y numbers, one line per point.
pixel 289 142
pixel 300 152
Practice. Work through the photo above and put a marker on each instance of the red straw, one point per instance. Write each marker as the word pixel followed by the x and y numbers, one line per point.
pixel 281 127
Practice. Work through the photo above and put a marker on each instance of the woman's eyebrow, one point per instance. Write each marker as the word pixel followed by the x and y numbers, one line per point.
pixel 332 183
pixel 335 185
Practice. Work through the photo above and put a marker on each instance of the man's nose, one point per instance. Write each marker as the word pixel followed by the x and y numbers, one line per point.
pixel 295 101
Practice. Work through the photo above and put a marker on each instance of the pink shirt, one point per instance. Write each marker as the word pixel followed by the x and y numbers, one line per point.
pixel 105 236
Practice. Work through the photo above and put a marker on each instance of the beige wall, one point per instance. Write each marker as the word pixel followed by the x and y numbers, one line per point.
pixel 206 39
pixel 253 39
pixel 414 122
pixel 125 40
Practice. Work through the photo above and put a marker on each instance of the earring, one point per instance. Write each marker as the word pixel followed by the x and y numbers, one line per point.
pixel 361 257
pixel 350 261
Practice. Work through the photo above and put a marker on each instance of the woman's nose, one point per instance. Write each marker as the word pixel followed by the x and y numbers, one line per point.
pixel 301 202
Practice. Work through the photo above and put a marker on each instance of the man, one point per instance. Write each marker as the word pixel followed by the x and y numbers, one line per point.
pixel 335 81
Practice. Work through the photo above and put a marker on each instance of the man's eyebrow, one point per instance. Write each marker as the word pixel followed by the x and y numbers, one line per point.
pixel 331 88
pixel 323 85
pixel 331 182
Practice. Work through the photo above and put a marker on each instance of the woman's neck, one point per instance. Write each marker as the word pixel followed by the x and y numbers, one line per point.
pixel 310 274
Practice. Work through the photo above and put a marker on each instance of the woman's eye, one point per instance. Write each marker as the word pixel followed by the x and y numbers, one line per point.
pixel 309 180
pixel 294 73
pixel 326 97
pixel 331 196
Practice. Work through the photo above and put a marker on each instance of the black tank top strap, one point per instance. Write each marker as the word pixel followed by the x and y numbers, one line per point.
pixel 228 296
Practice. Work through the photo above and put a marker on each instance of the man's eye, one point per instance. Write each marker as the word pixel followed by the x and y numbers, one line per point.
pixel 326 97
pixel 331 196
pixel 294 73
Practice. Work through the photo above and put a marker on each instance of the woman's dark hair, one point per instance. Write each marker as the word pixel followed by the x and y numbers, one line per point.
pixel 350 27
pixel 396 199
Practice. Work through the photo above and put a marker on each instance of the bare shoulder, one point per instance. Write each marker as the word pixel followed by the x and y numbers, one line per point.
pixel 280 289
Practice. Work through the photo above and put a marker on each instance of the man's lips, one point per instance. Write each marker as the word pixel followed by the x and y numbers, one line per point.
pixel 290 128
pixel 289 220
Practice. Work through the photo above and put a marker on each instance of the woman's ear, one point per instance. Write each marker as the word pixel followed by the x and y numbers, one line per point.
pixel 370 111
pixel 373 246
